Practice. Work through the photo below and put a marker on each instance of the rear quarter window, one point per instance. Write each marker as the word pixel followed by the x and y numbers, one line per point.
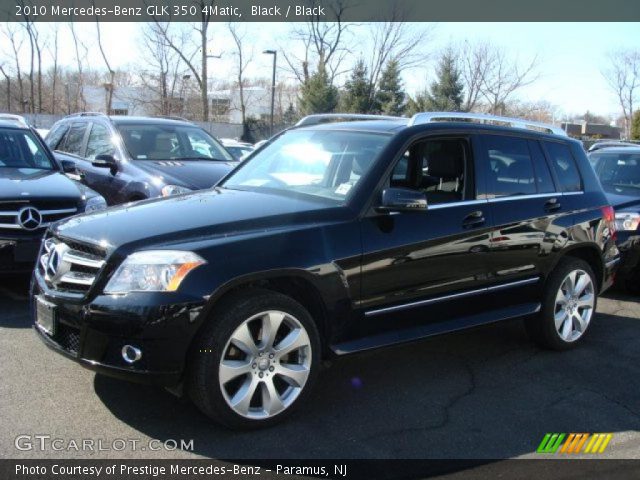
pixel 565 166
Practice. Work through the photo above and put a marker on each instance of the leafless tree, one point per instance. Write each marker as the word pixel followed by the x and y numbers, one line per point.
pixel 163 74
pixel 243 58
pixel 623 76
pixel 7 79
pixel 12 34
pixel 81 51
pixel 503 77
pixel 53 51
pixel 396 39
pixel 491 75
pixel 110 85
pixel 181 45
pixel 323 42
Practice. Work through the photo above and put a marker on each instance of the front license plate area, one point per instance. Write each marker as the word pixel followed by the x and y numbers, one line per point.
pixel 45 316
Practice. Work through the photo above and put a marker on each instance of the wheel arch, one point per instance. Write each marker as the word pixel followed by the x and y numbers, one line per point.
pixel 297 284
pixel 589 253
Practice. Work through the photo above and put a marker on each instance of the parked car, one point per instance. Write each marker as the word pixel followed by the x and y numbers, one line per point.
pixel 332 239
pixel 619 172
pixel 34 192
pixel 132 158
pixel 238 149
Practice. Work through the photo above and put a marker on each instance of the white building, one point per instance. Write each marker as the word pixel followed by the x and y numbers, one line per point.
pixel 225 104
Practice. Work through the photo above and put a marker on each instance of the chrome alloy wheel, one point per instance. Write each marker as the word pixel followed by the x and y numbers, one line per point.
pixel 265 365
pixel 574 305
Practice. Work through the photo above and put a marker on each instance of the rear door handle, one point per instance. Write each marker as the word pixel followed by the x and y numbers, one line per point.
pixel 474 219
pixel 552 205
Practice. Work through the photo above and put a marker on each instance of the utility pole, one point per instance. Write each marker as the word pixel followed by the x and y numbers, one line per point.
pixel 273 87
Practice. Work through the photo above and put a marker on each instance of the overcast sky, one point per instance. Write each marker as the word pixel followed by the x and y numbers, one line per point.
pixel 571 55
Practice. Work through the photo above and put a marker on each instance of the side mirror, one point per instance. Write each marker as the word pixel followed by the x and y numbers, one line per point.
pixel 68 166
pixel 105 161
pixel 402 200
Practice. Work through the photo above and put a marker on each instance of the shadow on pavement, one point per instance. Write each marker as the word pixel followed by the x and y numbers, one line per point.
pixel 487 393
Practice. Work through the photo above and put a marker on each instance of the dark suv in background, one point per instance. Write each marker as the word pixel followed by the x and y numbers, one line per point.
pixel 34 193
pixel 133 158
pixel 618 169
pixel 329 240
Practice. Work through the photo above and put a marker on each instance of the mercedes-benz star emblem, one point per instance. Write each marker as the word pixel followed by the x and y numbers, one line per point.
pixel 56 264
pixel 29 218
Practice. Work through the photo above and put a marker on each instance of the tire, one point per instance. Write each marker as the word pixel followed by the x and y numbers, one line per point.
pixel 243 372
pixel 568 306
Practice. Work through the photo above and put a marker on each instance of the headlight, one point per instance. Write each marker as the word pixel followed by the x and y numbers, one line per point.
pixel 153 271
pixel 169 190
pixel 627 221
pixel 94 204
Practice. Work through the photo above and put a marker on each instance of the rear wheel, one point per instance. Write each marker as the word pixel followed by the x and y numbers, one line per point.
pixel 569 303
pixel 255 361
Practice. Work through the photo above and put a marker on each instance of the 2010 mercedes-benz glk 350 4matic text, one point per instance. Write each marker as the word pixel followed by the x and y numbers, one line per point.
pixel 331 239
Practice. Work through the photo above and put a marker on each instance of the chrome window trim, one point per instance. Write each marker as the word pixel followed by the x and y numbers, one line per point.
pixel 455 204
pixel 501 199
pixel 469 293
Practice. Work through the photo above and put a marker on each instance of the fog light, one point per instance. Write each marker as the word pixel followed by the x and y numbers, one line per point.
pixel 131 354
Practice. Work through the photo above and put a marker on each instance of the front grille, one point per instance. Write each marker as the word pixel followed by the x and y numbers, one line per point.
pixel 70 266
pixel 46 212
pixel 68 338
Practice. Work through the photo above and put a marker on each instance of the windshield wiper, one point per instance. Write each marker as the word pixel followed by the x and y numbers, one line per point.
pixel 202 158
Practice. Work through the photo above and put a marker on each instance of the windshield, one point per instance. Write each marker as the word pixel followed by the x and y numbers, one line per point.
pixel 21 149
pixel 171 142
pixel 619 172
pixel 322 163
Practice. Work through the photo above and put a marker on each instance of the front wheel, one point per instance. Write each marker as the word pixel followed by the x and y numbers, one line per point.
pixel 569 303
pixel 255 360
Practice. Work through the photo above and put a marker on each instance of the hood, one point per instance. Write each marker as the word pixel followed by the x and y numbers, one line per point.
pixel 34 184
pixel 619 202
pixel 190 217
pixel 193 174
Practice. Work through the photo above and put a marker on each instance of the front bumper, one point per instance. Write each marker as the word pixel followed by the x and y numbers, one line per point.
pixel 92 332
pixel 18 252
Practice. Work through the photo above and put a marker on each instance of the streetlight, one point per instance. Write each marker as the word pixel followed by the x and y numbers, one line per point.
pixel 273 86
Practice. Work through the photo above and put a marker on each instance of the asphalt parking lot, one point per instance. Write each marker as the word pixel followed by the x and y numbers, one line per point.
pixel 486 393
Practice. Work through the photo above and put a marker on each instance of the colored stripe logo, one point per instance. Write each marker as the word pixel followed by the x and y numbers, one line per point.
pixel 574 443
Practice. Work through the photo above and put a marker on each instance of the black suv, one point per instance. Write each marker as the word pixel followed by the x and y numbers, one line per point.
pixel 34 192
pixel 133 158
pixel 618 169
pixel 332 239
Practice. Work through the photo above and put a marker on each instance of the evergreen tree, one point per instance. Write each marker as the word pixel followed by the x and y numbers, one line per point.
pixel 356 95
pixel 289 116
pixel 418 103
pixel 390 97
pixel 317 94
pixel 635 126
pixel 446 92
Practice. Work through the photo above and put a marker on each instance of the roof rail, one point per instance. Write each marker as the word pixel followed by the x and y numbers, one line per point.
pixel 340 117
pixel 17 119
pixel 86 114
pixel 427 117
pixel 172 117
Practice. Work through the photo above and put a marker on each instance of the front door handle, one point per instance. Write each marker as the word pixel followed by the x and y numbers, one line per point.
pixel 474 219
pixel 552 205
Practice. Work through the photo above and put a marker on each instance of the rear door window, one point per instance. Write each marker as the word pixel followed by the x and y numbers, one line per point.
pixel 75 139
pixel 565 166
pixel 510 166
pixel 543 174
pixel 99 142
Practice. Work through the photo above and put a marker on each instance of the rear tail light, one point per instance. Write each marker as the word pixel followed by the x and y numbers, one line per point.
pixel 609 216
